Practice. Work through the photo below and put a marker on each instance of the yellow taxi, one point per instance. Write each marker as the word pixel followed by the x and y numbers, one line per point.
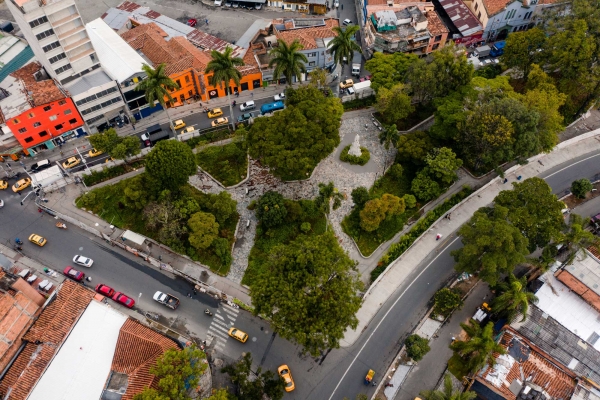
pixel 3 184
pixel 71 162
pixel 22 184
pixel 187 130
pixel 215 112
pixel 346 84
pixel 220 121
pixel 37 239
pixel 238 335
pixel 179 124
pixel 109 159
pixel 284 372
pixel 94 152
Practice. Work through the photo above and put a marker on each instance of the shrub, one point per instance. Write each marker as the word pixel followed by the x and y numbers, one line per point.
pixel 416 347
pixel 270 209
pixel 362 160
pixel 360 196
pixel 359 103
pixel 581 187
pixel 446 301
pixel 305 227
pixel 108 173
pixel 396 171
pixel 410 200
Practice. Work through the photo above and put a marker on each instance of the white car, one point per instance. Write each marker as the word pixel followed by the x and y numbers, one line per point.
pixel 347 22
pixel 83 261
pixel 1 203
pixel 218 3
pixel 279 96
pixel 336 4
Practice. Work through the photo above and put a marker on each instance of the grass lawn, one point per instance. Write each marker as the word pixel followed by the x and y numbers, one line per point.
pixel 109 203
pixel 228 163
pixel 283 234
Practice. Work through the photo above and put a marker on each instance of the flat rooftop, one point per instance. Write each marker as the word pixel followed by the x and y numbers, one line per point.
pixel 87 82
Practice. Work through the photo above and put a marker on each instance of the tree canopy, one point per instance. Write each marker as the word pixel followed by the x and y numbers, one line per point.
pixel 343 44
pixel 448 393
pixel 477 351
pixel 250 385
pixel 288 60
pixel 513 298
pixel 521 50
pixel 393 104
pixel 170 164
pixel 114 145
pixel 270 209
pixel 294 140
pixel 308 289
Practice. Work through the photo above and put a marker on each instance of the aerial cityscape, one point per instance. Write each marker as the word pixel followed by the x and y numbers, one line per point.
pixel 307 199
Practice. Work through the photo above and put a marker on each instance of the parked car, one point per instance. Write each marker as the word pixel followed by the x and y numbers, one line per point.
pixel 123 299
pixel 40 165
pixel 257 6
pixel 238 335
pixel 187 129
pixel 22 184
pixel 192 22
pixel 105 290
pixel 245 117
pixel 346 84
pixel 220 121
pixel 336 4
pixel 37 239
pixel 347 22
pixel 279 96
pixel 83 261
pixel 218 3
pixel 284 372
pixel 179 124
pixel 215 112
pixel 94 153
pixel 72 273
pixel 166 299
pixel 71 162
pixel 3 184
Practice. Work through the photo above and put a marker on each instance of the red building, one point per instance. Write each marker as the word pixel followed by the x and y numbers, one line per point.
pixel 40 115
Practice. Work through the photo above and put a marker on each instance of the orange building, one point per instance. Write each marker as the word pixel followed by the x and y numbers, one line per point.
pixel 185 64
pixel 39 114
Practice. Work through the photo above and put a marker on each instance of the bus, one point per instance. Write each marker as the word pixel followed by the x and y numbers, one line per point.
pixel 272 107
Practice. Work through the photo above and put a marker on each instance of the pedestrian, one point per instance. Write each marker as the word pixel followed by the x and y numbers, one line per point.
pixel 374 383
pixel 252 94
pixel 342 6
pixel 133 126
pixel 438 236
pixel 505 180
pixel 448 216
pixel 519 177
pixel 206 21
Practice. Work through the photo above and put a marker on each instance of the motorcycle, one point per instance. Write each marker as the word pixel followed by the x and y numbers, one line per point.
pixel 208 312
pixel 18 241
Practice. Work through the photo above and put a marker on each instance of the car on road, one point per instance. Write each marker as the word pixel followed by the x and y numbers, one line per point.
pixel 105 290
pixel 1 203
pixel 347 22
pixel 257 6
pixel 245 117
pixel 284 372
pixel 249 105
pixel 220 121
pixel 346 84
pixel 218 3
pixel 40 165
pixel 83 261
pixel 22 184
pixel 3 184
pixel 215 112
pixel 192 22
pixel 71 162
pixel 336 4
pixel 187 129
pixel 123 299
pixel 179 124
pixel 238 335
pixel 37 239
pixel 279 96
pixel 72 273
pixel 94 153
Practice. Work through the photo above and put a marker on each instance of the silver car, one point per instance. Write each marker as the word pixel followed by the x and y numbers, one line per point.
pixel 83 261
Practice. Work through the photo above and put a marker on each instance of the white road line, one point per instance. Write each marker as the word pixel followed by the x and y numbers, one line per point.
pixel 219 316
pixel 569 166
pixel 231 316
pixel 219 347
pixel 218 333
pixel 236 311
pixel 219 323
pixel 220 327
pixel 386 314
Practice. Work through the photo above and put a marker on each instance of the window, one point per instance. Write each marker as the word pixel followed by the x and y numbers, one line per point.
pixel 29 139
pixel 58 127
pixel 57 58
pixel 190 93
pixel 30 115
pixel 96 96
pixel 44 34
pixel 438 38
pixel 479 15
pixel 22 130
pixel 178 82
pixel 51 46
pixel 16 121
pixel 53 118
pixel 311 55
pixel 63 68
pixel 43 133
pixel 476 6
pixel 47 108
pixel 528 15
pixel 73 121
pixel 312 64
pixel 62 102
pixel 67 112
pixel 36 124
pixel 435 46
pixel 38 21
pixel 187 79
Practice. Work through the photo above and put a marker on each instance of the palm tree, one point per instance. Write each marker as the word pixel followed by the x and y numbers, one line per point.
pixel 157 86
pixel 342 44
pixel 222 66
pixel 514 298
pixel 288 60
pixel 448 393
pixel 475 352
pixel 577 238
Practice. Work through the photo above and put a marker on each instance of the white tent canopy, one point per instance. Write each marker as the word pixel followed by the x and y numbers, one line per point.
pixel 134 237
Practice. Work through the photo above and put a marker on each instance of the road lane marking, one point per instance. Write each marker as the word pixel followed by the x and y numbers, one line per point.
pixel 231 316
pixel 569 166
pixel 227 308
pixel 383 319
pixel 219 316
pixel 217 332
pixel 223 327
pixel 221 324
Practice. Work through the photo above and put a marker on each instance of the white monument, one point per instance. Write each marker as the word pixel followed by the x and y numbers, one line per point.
pixel 355 147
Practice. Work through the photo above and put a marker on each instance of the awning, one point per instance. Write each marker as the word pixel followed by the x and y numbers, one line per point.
pixel 248 1
pixel 134 237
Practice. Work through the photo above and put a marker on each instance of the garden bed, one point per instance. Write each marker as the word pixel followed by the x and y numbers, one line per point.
pixel 364 157
pixel 571 201
pixel 228 163
pixel 210 137
pixel 97 177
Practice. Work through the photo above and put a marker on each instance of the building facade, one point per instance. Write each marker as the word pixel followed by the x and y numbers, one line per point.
pixel 501 17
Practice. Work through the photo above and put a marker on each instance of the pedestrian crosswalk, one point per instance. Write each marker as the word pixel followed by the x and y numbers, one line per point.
pixel 223 319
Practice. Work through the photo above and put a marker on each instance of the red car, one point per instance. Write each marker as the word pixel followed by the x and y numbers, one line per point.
pixel 74 274
pixel 105 290
pixel 124 300
pixel 192 22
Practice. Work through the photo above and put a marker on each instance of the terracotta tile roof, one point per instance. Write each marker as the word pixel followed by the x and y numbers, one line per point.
pixel 526 360
pixel 137 349
pixel 128 6
pixel 49 331
pixel 42 92
pixel 493 7
pixel 435 25
pixel 307 36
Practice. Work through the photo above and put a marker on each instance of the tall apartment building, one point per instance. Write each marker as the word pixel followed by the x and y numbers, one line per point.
pixel 57 35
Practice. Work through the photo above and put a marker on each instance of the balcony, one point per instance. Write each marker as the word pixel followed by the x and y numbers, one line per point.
pixel 76 44
pixel 82 54
pixel 71 32
pixel 64 20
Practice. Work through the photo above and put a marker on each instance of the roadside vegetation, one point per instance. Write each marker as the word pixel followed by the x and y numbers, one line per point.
pixel 97 177
pixel 227 163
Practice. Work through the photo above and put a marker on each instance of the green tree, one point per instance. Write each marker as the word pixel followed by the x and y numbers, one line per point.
pixel 176 371
pixel 413 147
pixel 446 301
pixel 170 164
pixel 270 209
pixel 388 138
pixel 318 77
pixel 360 196
pixel 376 210
pixel 393 104
pixel 114 145
pixel 129 146
pixel 288 60
pixel 442 165
pixel 448 393
pixel 222 206
pixel 222 66
pixel 424 187
pixel 477 351
pixel 534 210
pixel 157 86
pixel 250 385
pixel 410 201
pixel 343 44
pixel 135 194
pixel 328 194
pixel 576 238
pixel 308 289
pixel 203 230
pixel 521 50
pixel 513 298
pixel 222 394
pixel 311 123
pixel 222 249
pixel 492 245
pixel 581 187
pixel 416 347
pixel 387 70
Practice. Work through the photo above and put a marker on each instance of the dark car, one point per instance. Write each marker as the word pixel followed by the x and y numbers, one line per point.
pixel 245 117
pixel 123 299
pixel 74 274
pixel 40 165
pixel 105 290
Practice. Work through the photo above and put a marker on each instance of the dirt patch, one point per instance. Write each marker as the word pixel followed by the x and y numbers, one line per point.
pixel 465 286
pixel 571 201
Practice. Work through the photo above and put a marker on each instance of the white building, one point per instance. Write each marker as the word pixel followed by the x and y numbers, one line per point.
pixel 501 17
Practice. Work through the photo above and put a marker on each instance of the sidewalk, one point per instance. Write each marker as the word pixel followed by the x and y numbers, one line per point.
pixel 402 267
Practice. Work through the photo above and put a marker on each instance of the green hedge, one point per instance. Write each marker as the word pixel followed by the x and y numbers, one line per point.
pixel 209 137
pixel 362 160
pixel 359 103
pixel 100 176
pixel 397 249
